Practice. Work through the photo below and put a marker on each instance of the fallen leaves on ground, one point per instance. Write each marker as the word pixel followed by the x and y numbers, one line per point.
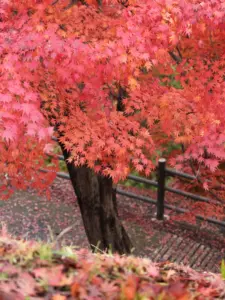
pixel 32 270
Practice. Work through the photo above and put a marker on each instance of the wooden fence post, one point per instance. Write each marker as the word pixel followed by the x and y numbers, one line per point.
pixel 161 188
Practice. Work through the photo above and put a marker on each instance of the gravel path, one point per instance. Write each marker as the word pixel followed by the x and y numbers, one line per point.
pixel 29 215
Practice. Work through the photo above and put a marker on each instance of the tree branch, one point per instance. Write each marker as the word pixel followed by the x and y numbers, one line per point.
pixel 72 3
pixel 180 55
pixel 200 181
pixel 176 58
pixel 196 174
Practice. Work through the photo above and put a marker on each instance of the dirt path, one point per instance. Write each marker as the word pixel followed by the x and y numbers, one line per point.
pixel 28 215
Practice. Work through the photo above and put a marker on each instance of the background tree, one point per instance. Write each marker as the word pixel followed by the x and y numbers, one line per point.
pixel 117 81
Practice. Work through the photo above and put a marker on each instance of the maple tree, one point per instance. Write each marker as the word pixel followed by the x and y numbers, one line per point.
pixel 116 80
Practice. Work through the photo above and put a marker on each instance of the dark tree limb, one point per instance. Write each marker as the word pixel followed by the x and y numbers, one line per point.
pixel 55 2
pixel 179 52
pixel 72 3
pixel 176 58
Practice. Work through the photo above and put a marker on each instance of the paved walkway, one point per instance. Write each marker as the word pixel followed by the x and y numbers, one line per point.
pixel 29 215
pixel 188 252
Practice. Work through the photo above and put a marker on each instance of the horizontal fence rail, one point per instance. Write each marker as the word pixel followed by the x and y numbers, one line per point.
pixel 171 172
pixel 192 196
pixel 168 206
pixel 149 200
pixel 143 180
pixel 58 174
pixel 160 204
pixel 59 157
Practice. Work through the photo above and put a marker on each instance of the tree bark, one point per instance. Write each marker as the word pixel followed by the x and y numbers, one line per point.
pixel 97 202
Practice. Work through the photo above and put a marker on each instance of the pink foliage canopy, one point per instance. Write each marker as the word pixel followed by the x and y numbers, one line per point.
pixel 64 68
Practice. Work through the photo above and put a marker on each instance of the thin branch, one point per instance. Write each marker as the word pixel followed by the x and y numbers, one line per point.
pixel 55 2
pixel 72 3
pixel 178 50
pixel 62 233
pixel 196 174
pixel 99 3
pixel 200 181
pixel 190 112
pixel 176 58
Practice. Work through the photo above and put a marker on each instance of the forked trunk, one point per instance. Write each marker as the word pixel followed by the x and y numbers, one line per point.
pixel 98 208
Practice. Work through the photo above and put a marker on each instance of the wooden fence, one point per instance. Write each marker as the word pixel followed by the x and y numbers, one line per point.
pixel 160 184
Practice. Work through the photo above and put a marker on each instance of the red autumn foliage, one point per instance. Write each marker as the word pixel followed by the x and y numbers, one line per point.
pixel 66 68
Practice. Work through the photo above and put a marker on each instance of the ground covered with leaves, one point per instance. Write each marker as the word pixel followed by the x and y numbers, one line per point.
pixel 32 270
pixel 28 215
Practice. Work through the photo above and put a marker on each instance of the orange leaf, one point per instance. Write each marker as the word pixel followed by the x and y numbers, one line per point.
pixel 130 288
pixel 75 289
pixel 58 297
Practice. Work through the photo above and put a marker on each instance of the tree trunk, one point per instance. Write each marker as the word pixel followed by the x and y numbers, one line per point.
pixel 97 202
